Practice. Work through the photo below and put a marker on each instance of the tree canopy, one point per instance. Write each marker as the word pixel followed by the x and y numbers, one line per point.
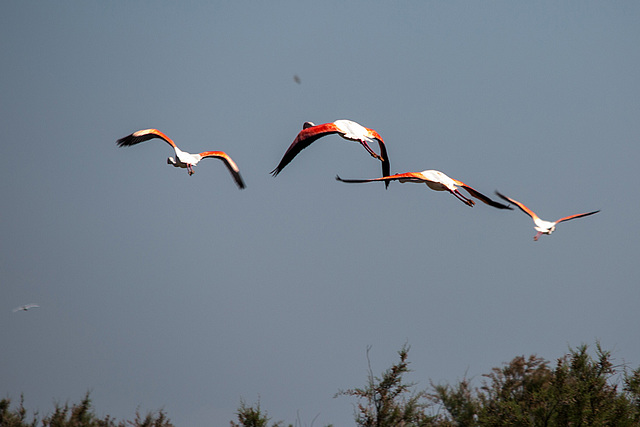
pixel 580 389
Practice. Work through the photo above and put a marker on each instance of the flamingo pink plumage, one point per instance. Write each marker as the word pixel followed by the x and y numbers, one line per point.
pixel 182 159
pixel 347 129
pixel 437 181
pixel 542 226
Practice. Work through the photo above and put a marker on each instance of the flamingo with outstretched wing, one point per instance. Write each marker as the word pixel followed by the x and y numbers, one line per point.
pixel 542 226
pixel 183 159
pixel 437 181
pixel 348 130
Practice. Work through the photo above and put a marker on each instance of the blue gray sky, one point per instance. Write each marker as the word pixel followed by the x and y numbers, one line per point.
pixel 160 290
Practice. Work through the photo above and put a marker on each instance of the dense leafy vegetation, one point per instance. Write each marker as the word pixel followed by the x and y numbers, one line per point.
pixel 578 390
pixel 76 415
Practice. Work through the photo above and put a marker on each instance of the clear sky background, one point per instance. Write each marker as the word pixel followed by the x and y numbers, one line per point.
pixel 160 290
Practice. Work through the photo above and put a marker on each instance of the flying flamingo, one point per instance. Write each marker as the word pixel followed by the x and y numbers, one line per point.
pixel 25 307
pixel 183 159
pixel 347 129
pixel 542 226
pixel 437 181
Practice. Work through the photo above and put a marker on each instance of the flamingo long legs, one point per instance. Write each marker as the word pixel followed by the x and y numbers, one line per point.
pixel 462 198
pixel 370 151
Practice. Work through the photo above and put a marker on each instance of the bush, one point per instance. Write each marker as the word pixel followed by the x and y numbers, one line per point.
pixel 579 391
pixel 76 415
pixel 387 400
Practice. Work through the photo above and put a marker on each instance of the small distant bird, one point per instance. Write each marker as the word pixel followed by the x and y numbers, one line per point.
pixel 25 307
pixel 347 129
pixel 437 181
pixel 183 159
pixel 541 226
pixel 296 78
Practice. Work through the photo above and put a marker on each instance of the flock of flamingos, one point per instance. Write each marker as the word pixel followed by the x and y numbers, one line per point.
pixel 351 131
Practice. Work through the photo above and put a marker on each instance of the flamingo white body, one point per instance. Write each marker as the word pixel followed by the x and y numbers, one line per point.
pixel 347 129
pixel 25 307
pixel 437 181
pixel 183 159
pixel 540 225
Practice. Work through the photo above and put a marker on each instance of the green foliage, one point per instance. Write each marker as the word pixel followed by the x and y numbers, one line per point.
pixel 15 418
pixel 388 401
pixel 250 416
pixel 151 419
pixel 77 415
pixel 632 392
pixel 459 401
pixel 254 416
pixel 518 393
pixel 579 391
